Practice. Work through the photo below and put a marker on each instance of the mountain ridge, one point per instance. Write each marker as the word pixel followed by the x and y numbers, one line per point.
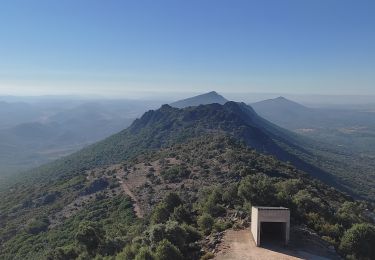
pixel 218 158
pixel 168 125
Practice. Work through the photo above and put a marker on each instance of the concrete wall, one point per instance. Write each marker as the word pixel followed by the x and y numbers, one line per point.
pixel 254 225
pixel 268 214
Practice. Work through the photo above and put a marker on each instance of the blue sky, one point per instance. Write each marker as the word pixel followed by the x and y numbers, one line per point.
pixel 122 47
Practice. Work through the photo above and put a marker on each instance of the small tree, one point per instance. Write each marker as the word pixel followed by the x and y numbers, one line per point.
pixel 181 215
pixel 359 241
pixel 62 253
pixel 349 213
pixel 167 251
pixel 156 234
pixel 37 225
pixel 176 234
pixel 90 235
pixel 144 254
pixel 128 253
pixel 205 223
pixel 160 214
pixel 172 200
pixel 257 189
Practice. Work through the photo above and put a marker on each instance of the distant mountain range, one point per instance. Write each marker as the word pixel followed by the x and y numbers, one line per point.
pixel 291 115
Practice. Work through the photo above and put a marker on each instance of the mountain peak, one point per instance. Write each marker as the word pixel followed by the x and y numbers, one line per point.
pixel 203 99
pixel 278 103
pixel 212 93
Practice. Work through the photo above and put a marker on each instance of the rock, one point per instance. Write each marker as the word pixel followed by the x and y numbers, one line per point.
pixel 332 249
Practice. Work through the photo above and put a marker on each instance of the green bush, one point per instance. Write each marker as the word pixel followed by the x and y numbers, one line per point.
pixel 128 253
pixel 306 202
pixel 192 235
pixel 205 223
pixel 63 253
pixel 90 235
pixel 359 241
pixel 37 225
pixel 167 251
pixel 349 213
pixel 175 173
pixel 160 214
pixel 211 202
pixel 181 215
pixel 176 234
pixel 172 200
pixel 156 233
pixel 212 207
pixel 221 225
pixel 257 189
pixel 230 195
pixel 144 253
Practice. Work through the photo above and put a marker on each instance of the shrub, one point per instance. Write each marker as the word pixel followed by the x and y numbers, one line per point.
pixel 305 202
pixel 359 241
pixel 144 254
pixel 167 251
pixel 179 235
pixel 192 235
pixel 207 256
pixel 257 189
pixel 175 173
pixel 172 200
pixel 349 213
pixel 37 225
pixel 175 234
pixel 156 233
pixel 210 203
pixel 221 225
pixel 230 195
pixel 181 215
pixel 160 214
pixel 89 235
pixel 128 253
pixel 62 253
pixel 212 207
pixel 205 223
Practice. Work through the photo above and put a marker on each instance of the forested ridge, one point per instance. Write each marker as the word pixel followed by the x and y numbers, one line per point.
pixel 199 166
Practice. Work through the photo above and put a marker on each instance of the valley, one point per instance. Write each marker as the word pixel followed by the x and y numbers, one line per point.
pixel 35 131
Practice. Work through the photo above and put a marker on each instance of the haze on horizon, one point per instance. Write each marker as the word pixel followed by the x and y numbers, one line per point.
pixel 125 48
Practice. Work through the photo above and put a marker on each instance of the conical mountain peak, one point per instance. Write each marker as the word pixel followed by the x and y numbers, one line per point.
pixel 203 99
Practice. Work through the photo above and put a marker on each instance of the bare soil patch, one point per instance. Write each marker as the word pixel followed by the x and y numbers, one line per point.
pixel 240 245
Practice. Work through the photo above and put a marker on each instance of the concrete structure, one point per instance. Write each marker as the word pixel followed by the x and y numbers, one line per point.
pixel 266 220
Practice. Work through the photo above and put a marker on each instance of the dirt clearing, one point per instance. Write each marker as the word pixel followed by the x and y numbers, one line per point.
pixel 239 245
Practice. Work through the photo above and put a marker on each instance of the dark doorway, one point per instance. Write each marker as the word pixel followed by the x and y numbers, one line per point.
pixel 272 233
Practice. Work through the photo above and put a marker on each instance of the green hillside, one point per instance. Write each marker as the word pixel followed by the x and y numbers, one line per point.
pixel 169 125
pixel 211 155
pixel 88 214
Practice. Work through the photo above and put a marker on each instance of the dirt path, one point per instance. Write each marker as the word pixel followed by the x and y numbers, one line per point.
pixel 138 211
pixel 239 245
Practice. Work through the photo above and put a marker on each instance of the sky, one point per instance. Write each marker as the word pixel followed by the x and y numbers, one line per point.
pixel 127 47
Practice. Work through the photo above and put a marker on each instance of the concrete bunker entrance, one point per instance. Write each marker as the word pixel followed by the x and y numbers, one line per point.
pixel 270 225
pixel 272 232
